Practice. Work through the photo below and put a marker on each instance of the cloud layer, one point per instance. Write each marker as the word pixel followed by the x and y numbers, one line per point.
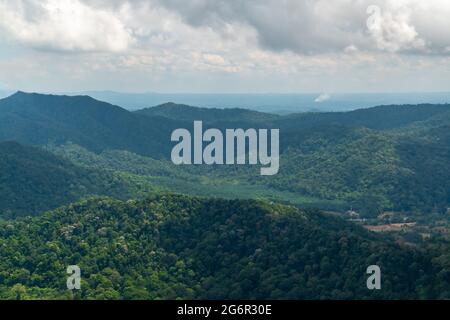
pixel 312 26
pixel 301 26
pixel 286 45
pixel 68 25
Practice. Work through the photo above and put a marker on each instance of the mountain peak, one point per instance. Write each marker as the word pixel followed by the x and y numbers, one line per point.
pixel 20 93
pixel 23 94
pixel 175 105
pixel 44 99
pixel 17 96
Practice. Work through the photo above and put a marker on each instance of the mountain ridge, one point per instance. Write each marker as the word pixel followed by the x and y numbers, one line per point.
pixel 33 180
pixel 39 119
pixel 368 159
pixel 180 247
pixel 190 113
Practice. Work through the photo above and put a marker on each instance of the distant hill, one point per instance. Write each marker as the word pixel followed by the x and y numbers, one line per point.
pixel 39 119
pixel 165 246
pixel 33 180
pixel 178 247
pixel 378 118
pixel 332 168
pixel 370 170
pixel 269 102
pixel 210 115
pixel 382 158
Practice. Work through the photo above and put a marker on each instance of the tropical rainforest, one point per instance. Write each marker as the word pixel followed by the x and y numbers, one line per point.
pixel 87 183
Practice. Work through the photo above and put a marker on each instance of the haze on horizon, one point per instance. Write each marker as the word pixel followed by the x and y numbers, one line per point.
pixel 225 46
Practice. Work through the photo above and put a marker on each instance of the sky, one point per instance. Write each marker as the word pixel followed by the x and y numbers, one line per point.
pixel 225 46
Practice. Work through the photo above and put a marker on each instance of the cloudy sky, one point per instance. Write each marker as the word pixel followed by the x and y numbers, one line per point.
pixel 225 45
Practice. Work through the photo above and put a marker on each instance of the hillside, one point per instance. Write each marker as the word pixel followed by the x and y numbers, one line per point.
pixel 33 181
pixel 335 168
pixel 170 247
pixel 39 119
pixel 208 115
pixel 377 118
pixel 179 246
pixel 377 159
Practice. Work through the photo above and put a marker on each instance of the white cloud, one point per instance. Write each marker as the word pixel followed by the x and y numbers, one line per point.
pixel 311 27
pixel 289 45
pixel 322 98
pixel 300 26
pixel 391 29
pixel 68 25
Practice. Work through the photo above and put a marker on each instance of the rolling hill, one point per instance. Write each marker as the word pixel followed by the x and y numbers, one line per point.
pixel 33 181
pixel 377 118
pixel 39 119
pixel 178 247
pixel 377 159
pixel 162 246
pixel 208 115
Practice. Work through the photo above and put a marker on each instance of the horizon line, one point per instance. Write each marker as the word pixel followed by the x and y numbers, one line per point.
pixel 83 92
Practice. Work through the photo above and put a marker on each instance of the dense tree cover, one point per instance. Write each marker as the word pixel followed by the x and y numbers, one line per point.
pixel 39 119
pixel 369 170
pixel 377 118
pixel 33 180
pixel 168 247
pixel 212 181
pixel 327 160
pixel 335 168
pixel 120 160
pixel 208 115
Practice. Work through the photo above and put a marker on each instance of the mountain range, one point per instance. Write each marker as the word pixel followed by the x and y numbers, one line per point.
pixel 278 103
pixel 84 182
pixel 377 159
pixel 179 247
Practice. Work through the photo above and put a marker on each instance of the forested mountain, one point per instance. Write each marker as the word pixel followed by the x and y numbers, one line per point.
pixel 33 180
pixel 358 168
pixel 370 170
pixel 336 168
pixel 377 159
pixel 39 119
pixel 378 118
pixel 169 247
pixel 161 246
pixel 209 115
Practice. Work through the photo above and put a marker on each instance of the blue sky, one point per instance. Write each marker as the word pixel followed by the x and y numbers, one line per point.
pixel 225 45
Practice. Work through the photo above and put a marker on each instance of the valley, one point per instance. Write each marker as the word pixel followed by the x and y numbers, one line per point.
pixel 88 183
